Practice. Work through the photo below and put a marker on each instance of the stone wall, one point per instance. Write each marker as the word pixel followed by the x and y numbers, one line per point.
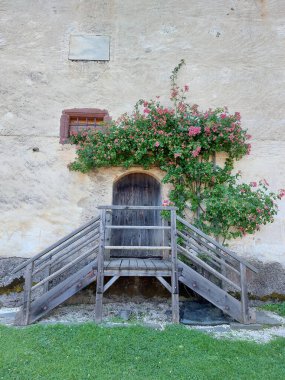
pixel 235 55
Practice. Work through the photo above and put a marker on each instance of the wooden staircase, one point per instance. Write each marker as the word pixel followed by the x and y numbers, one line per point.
pixel 205 266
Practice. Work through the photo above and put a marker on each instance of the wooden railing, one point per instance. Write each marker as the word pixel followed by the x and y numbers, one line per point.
pixel 51 266
pixel 172 248
pixel 216 262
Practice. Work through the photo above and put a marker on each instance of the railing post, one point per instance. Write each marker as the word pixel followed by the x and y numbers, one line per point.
pixel 174 274
pixel 48 272
pixel 108 235
pixel 27 293
pixel 100 269
pixel 244 295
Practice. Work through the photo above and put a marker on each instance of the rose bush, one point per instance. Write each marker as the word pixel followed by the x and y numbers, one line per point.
pixel 182 142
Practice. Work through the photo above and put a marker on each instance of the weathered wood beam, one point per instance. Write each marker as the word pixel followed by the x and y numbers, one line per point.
pixel 110 282
pixel 207 267
pixel 138 227
pixel 164 283
pixel 218 245
pixel 100 270
pixel 21 266
pixel 174 273
pixel 135 247
pixel 64 268
pixel 116 207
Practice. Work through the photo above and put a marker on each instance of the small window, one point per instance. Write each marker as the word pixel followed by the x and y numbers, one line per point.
pixel 79 119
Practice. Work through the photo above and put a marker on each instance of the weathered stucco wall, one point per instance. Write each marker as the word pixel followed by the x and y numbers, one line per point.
pixel 235 55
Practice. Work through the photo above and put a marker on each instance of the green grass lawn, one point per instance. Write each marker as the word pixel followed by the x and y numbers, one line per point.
pixel 278 308
pixel 88 351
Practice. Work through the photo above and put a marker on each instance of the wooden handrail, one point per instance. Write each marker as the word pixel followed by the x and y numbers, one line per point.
pixel 139 247
pixel 64 268
pixel 137 227
pixel 68 243
pixel 217 259
pixel 116 207
pixel 53 246
pixel 218 245
pixel 207 267
pixel 67 254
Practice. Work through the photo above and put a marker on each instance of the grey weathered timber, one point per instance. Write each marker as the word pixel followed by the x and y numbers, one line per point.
pixel 65 255
pixel 135 261
pixel 136 247
pixel 51 247
pixel 244 295
pixel 134 190
pixel 61 292
pixel 68 243
pixel 48 273
pixel 120 207
pixel 211 292
pixel 27 295
pixel 164 283
pixel 218 245
pixel 207 267
pixel 107 252
pixel 110 282
pixel 174 274
pixel 208 252
pixel 65 267
pixel 100 270
pixel 138 227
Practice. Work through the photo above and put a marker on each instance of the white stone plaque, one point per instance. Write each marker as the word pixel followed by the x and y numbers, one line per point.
pixel 86 47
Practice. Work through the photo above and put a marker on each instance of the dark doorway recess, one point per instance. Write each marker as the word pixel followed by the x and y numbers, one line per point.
pixel 136 189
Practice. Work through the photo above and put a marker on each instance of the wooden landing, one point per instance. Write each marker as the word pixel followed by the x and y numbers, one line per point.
pixel 137 267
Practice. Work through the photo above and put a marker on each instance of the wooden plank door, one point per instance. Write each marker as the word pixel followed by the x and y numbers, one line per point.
pixel 136 189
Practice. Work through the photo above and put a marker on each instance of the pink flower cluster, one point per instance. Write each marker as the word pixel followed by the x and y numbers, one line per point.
pixel 281 193
pixel 196 152
pixel 167 202
pixel 193 131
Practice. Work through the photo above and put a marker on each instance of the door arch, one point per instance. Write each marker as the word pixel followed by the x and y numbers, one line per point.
pixel 136 189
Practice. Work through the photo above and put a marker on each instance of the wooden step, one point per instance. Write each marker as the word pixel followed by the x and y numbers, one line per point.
pixel 212 293
pixel 60 293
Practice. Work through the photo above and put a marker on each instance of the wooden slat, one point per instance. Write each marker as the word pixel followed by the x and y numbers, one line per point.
pixel 164 283
pixel 244 295
pixel 117 207
pixel 111 282
pixel 27 294
pixel 127 272
pixel 124 227
pixel 63 291
pixel 210 291
pixel 133 263
pixel 74 250
pixel 220 246
pixel 21 266
pixel 200 240
pixel 208 253
pixel 64 268
pixel 100 270
pixel 174 273
pixel 133 247
pixel 202 264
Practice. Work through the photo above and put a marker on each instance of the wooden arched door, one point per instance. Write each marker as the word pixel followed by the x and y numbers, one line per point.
pixel 136 189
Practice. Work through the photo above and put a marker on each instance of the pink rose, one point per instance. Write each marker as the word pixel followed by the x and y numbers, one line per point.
pixel 193 131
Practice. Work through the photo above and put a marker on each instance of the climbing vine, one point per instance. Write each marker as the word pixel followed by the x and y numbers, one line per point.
pixel 182 141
